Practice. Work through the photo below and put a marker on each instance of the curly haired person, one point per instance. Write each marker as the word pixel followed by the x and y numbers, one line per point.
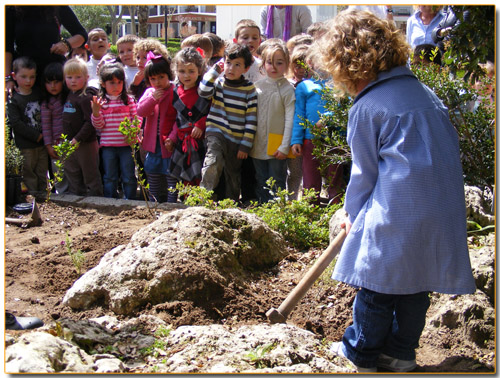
pixel 406 217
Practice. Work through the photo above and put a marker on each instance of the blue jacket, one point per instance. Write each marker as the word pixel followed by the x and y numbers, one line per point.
pixel 405 197
pixel 308 105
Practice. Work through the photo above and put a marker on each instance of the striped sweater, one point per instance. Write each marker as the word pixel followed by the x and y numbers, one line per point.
pixel 110 116
pixel 233 113
pixel 52 125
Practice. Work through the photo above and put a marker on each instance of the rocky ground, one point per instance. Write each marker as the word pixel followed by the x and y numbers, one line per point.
pixel 459 336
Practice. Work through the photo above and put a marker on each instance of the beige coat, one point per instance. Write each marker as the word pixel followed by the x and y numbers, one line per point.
pixel 275 111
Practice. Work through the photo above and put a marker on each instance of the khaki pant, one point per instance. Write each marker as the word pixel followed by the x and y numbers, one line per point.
pixel 35 168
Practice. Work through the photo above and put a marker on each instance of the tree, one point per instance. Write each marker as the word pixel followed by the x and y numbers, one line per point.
pixel 91 16
pixel 115 20
pixel 142 16
pixel 471 41
pixel 133 26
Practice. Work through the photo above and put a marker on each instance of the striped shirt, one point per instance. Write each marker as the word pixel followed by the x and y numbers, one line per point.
pixel 52 126
pixel 110 116
pixel 233 113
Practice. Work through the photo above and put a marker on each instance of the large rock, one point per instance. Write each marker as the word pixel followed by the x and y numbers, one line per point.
pixel 40 352
pixel 191 254
pixel 479 205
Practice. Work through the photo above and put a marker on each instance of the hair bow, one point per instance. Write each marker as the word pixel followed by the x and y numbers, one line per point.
pixel 202 53
pixel 151 56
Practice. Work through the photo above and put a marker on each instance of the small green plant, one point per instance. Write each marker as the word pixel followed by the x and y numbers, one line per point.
pixel 257 357
pixel 77 258
pixel 64 150
pixel 301 222
pixel 198 196
pixel 131 130
pixel 163 331
pixel 14 160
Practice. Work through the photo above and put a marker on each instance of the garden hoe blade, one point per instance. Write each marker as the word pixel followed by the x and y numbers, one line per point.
pixel 279 315
pixel 34 220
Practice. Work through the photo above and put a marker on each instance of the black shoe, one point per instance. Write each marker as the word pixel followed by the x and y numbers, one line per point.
pixel 19 323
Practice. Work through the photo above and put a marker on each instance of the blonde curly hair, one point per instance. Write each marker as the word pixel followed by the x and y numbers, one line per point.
pixel 357 46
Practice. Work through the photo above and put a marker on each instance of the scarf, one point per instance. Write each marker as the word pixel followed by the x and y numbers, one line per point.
pixel 270 22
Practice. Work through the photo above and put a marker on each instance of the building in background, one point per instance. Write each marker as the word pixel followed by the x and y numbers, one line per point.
pixel 221 19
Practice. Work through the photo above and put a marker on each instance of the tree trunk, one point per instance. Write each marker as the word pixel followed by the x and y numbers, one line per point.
pixel 142 16
pixel 115 20
pixel 133 26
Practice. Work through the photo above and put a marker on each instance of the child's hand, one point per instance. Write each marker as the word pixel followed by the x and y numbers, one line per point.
pixel 139 76
pixel 242 155
pixel 220 64
pixel 97 103
pixel 347 225
pixel 279 155
pixel 169 145
pixel 297 149
pixel 158 93
pixel 51 151
pixel 197 133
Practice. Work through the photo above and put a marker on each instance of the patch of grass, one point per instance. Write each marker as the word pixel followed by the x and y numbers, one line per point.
pixel 257 357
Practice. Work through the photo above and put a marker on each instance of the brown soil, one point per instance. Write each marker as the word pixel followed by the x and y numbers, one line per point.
pixel 38 272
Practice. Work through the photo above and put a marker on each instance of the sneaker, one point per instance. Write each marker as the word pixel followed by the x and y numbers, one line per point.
pixel 393 364
pixel 19 323
pixel 336 348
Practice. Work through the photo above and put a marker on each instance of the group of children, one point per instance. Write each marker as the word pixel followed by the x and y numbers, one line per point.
pixel 223 115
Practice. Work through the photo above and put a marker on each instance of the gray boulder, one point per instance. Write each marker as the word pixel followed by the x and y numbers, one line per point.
pixel 40 352
pixel 479 205
pixel 191 254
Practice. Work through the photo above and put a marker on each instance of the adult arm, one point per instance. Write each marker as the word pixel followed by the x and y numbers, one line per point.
pixel 305 18
pixel 74 27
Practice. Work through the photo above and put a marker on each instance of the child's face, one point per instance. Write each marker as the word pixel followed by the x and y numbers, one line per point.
pixel 76 81
pixel 249 37
pixel 113 87
pixel 299 71
pixel 54 87
pixel 98 45
pixel 25 79
pixel 80 52
pixel 188 74
pixel 161 81
pixel 276 65
pixel 234 68
pixel 140 59
pixel 126 54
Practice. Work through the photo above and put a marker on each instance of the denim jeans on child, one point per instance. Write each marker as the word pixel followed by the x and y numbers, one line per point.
pixel 118 162
pixel 385 323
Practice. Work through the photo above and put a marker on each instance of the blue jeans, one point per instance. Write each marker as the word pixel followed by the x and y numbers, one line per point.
pixel 265 169
pixel 385 323
pixel 118 161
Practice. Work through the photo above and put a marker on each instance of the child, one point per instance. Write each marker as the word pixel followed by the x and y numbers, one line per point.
pixel 317 30
pixel 108 110
pixel 141 49
pixel 247 33
pixel 218 47
pixel 125 47
pixel 97 46
pixel 231 124
pixel 54 95
pixel 406 225
pixel 298 40
pixel 192 111
pixel 23 110
pixel 298 72
pixel 159 135
pixel 309 105
pixel 276 105
pixel 82 167
pixel 201 43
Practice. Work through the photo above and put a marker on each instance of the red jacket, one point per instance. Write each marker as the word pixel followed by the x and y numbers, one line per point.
pixel 151 109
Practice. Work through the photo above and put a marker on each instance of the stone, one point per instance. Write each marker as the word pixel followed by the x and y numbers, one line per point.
pixel 189 254
pixel 479 206
pixel 40 352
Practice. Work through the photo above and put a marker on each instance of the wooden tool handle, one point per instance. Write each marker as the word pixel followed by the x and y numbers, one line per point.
pixel 312 275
